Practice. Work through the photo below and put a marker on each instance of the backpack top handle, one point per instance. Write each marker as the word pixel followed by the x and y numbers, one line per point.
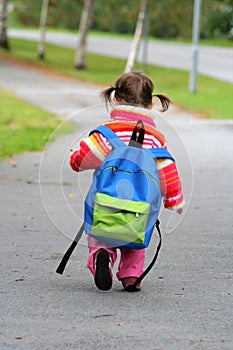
pixel 137 141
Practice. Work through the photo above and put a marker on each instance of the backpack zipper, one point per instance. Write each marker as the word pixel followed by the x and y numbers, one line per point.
pixel 115 169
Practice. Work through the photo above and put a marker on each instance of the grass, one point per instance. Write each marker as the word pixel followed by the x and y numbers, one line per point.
pixel 212 100
pixel 24 127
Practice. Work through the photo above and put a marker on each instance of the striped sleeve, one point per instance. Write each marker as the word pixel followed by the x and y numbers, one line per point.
pixel 170 184
pixel 93 150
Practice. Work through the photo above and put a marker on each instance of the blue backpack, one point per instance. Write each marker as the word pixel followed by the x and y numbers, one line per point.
pixel 123 202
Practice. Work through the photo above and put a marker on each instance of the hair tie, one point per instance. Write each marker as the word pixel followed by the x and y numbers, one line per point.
pixel 153 94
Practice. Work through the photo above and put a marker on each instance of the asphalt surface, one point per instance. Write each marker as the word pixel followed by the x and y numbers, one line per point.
pixel 215 62
pixel 186 300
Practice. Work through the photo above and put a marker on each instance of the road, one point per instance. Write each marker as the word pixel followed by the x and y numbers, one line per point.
pixel 186 300
pixel 215 62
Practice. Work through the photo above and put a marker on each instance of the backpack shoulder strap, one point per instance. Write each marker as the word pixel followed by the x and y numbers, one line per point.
pixel 110 135
pixel 161 153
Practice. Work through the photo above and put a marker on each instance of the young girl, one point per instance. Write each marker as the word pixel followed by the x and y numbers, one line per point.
pixel 132 100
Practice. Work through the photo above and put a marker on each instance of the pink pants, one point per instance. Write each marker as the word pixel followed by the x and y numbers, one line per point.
pixel 131 262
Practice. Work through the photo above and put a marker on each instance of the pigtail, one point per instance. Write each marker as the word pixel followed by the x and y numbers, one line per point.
pixel 165 101
pixel 106 95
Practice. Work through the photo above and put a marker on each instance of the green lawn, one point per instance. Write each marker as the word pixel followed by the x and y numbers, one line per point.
pixel 24 127
pixel 213 98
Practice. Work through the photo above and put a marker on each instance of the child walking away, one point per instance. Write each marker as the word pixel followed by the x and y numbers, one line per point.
pixel 131 124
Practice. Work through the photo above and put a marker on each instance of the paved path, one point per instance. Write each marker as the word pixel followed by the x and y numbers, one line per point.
pixel 186 300
pixel 216 62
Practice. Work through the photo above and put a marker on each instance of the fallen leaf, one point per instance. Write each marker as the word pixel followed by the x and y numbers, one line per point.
pixel 179 293
pixel 121 324
pixel 19 279
pixel 18 337
pixel 72 195
pixel 197 207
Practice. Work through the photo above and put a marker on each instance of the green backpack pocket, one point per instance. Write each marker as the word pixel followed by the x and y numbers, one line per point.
pixel 119 219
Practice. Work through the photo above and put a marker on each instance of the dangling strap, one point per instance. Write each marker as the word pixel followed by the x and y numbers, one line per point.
pixel 133 287
pixel 134 141
pixel 62 265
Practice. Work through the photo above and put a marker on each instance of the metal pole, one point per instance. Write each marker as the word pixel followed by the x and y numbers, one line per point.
pixel 194 68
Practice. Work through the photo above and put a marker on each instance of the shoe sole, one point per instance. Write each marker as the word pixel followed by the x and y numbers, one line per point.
pixel 103 278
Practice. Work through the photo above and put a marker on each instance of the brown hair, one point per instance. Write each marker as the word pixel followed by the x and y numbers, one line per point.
pixel 134 88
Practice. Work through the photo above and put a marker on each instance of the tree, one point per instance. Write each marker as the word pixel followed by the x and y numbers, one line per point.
pixel 3 25
pixel 137 36
pixel 85 22
pixel 43 21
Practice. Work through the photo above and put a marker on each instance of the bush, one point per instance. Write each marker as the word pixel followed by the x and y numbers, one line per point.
pixel 219 22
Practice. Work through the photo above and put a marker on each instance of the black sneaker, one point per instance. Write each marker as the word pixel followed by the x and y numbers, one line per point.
pixel 103 273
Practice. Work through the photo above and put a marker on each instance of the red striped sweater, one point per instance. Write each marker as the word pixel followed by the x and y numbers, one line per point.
pixel 93 150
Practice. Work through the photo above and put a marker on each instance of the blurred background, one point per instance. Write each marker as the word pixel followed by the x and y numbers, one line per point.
pixel 169 19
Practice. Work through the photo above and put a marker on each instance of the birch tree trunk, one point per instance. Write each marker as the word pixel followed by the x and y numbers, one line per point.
pixel 3 25
pixel 43 21
pixel 85 22
pixel 137 36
